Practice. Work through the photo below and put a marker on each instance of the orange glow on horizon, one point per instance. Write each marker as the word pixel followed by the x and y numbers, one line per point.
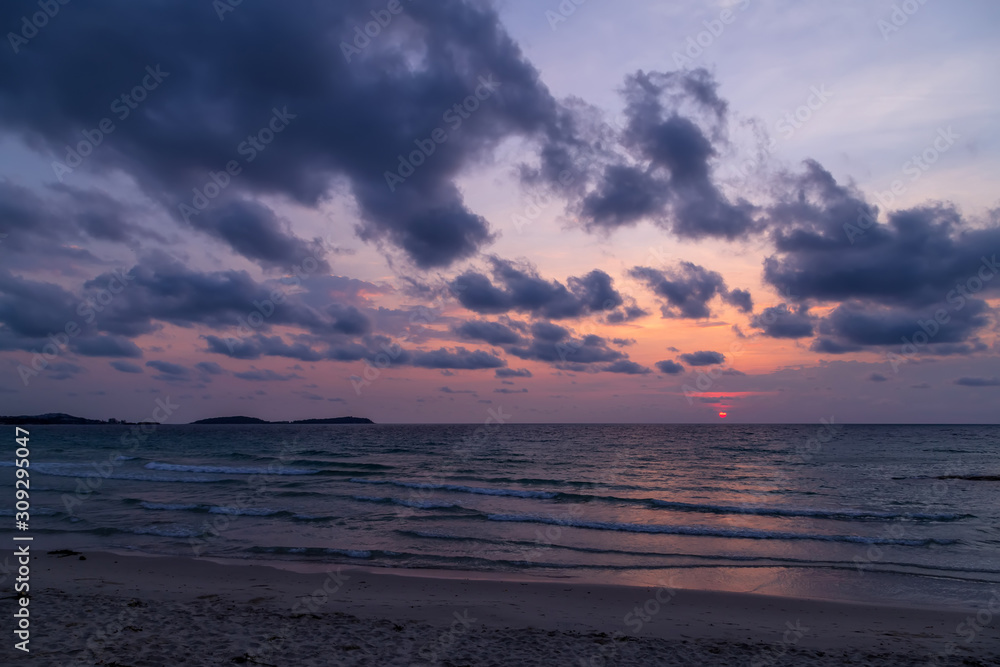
pixel 722 415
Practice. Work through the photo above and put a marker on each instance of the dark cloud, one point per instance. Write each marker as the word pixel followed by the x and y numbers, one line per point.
pixel 917 258
pixel 161 289
pixel 348 320
pixel 878 377
pixel 687 289
pixel 627 313
pixel 457 359
pixel 169 370
pixel 33 310
pixel 504 390
pixel 828 346
pixel 886 273
pixel 209 367
pixel 62 215
pixel 449 390
pixel 347 118
pixel 521 289
pixel 106 346
pixel 265 375
pixel 558 346
pixel 660 166
pixel 493 333
pixel 549 332
pixel 978 382
pixel 62 370
pixel 596 291
pixel 703 358
pixel 125 367
pixel 782 322
pixel 626 367
pixel 854 325
pixel 254 231
pixel 513 373
pixel 740 299
pixel 669 367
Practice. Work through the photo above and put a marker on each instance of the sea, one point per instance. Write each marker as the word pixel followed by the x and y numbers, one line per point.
pixel 889 514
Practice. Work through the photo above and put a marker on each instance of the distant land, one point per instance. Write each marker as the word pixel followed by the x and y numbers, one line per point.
pixel 61 419
pixel 254 420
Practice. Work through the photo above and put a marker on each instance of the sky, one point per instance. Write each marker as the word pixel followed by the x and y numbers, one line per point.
pixel 435 211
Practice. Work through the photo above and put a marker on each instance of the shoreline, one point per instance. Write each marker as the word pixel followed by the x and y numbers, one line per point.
pixel 144 608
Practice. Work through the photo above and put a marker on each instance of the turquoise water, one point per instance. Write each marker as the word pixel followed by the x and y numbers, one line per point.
pixel 843 512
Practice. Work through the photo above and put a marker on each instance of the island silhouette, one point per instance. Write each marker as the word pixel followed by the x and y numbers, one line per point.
pixel 62 419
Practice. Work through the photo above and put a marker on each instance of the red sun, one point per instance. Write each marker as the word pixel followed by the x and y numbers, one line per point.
pixel 722 415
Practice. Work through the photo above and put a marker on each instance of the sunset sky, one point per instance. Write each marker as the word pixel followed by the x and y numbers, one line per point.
pixel 581 211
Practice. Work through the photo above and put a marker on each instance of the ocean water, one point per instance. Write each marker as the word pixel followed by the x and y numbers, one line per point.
pixel 891 514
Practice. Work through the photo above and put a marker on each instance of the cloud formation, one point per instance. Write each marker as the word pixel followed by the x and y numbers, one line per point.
pixel 688 289
pixel 519 288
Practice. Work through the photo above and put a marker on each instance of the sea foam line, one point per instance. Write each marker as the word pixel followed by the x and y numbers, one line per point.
pixel 516 493
pixel 229 470
pixel 708 531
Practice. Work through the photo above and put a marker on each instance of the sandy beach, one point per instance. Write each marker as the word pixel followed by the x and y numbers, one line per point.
pixel 125 610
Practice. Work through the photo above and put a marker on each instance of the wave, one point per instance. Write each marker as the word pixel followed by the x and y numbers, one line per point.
pixel 709 531
pixel 318 551
pixel 86 470
pixel 516 493
pixel 245 511
pixel 973 478
pixel 176 507
pixel 655 503
pixel 312 517
pixel 543 545
pixel 464 562
pixel 417 504
pixel 165 531
pixel 213 509
pixel 544 481
pixel 228 470
pixel 842 515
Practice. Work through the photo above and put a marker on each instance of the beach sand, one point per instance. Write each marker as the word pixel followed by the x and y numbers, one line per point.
pixel 127 610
